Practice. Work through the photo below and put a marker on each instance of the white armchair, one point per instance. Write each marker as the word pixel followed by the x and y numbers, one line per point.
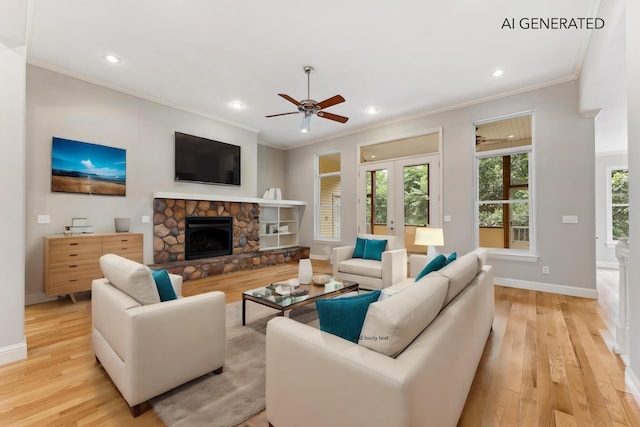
pixel 149 349
pixel 371 274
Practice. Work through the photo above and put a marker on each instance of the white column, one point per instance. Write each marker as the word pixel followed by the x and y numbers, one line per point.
pixel 622 329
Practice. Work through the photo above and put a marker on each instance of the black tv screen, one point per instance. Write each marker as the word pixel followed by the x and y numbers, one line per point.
pixel 205 160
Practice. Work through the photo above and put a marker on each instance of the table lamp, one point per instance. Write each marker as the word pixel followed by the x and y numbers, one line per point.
pixel 431 237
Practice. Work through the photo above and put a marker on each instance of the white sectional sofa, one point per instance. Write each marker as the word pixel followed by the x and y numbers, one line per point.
pixel 430 336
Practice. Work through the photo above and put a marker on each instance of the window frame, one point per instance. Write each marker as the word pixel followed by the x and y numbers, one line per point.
pixel 610 239
pixel 317 198
pixel 508 253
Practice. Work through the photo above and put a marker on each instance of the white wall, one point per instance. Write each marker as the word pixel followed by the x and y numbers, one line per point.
pixel 12 209
pixel 605 253
pixel 564 182
pixel 62 106
pixel 271 170
pixel 633 101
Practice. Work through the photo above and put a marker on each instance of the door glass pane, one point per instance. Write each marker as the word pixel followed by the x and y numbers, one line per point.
pixel 416 195
pixel 376 209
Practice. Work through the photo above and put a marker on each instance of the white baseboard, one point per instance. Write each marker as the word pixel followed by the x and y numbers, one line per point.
pixel 608 264
pixel 13 353
pixel 632 383
pixel 546 287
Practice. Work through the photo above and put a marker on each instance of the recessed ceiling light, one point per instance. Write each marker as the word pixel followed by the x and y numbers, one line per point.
pixel 511 136
pixel 237 105
pixel 111 58
pixel 371 110
pixel 497 73
pixel 373 156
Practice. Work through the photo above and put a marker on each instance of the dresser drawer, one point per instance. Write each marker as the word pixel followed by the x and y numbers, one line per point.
pixel 72 262
pixel 122 244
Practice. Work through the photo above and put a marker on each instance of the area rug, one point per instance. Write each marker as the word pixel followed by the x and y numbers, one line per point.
pixel 228 399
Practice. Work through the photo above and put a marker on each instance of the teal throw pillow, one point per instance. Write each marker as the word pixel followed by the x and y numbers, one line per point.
pixel 452 257
pixel 163 283
pixel 436 264
pixel 344 317
pixel 358 251
pixel 373 249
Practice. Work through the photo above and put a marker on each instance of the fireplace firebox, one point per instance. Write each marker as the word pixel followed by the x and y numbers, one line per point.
pixel 207 237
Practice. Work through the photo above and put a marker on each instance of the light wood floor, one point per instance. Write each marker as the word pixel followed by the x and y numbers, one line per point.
pixel 545 364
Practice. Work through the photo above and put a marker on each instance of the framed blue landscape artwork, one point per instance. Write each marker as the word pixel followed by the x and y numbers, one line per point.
pixel 81 167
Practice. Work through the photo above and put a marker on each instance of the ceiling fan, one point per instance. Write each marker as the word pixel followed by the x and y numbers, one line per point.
pixel 483 140
pixel 310 107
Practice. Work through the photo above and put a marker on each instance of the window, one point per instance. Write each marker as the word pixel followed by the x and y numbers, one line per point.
pixel 503 170
pixel 328 197
pixel 617 204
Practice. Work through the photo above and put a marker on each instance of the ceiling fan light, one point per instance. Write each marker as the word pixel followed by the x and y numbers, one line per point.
pixel 306 124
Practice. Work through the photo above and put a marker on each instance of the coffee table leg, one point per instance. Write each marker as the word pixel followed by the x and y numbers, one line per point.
pixel 244 308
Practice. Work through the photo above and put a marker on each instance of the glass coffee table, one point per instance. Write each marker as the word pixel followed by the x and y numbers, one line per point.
pixel 276 296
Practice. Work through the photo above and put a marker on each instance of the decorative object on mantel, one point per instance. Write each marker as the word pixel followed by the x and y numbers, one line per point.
pixel 305 271
pixel 273 194
pixel 78 225
pixel 122 224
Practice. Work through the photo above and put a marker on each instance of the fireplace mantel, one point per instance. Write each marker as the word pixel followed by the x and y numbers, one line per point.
pixel 221 198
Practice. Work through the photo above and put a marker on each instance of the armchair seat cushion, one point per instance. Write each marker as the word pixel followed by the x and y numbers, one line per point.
pixel 361 267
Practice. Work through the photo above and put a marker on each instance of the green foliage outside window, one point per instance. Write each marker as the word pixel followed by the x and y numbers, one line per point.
pixel 620 203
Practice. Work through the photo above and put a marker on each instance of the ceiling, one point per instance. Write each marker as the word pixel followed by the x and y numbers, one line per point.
pixel 405 58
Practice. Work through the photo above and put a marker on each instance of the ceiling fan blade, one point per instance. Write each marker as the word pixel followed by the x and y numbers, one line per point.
pixel 331 116
pixel 290 99
pixel 331 101
pixel 283 114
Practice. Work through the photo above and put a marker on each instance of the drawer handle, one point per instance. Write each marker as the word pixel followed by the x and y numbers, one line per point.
pixel 74 244
pixel 124 240
pixel 123 249
pixel 73 254
pixel 72 266
pixel 73 280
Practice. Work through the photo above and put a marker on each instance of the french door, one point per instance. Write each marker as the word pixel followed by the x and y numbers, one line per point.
pixel 396 196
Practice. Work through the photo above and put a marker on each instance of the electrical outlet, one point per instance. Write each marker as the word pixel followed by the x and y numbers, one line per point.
pixel 44 219
pixel 545 269
pixel 146 219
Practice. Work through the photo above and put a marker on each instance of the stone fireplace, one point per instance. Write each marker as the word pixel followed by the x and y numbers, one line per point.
pixel 207 237
pixel 170 238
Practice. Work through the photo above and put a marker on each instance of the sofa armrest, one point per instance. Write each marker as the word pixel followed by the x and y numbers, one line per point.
pixel 176 281
pixel 394 266
pixel 309 371
pixel 340 254
pixel 416 263
pixel 179 335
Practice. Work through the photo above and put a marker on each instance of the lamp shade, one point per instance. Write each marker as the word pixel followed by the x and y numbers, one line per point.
pixel 427 236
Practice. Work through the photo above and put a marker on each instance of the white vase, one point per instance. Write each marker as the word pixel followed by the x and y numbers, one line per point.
pixel 122 224
pixel 305 271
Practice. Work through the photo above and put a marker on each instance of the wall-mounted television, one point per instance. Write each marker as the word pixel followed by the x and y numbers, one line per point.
pixel 206 161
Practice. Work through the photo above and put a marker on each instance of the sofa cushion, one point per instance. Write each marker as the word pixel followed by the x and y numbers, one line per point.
pixel 163 284
pixel 358 250
pixel 393 323
pixel 344 316
pixel 460 274
pixel 373 249
pixel 361 267
pixel 434 265
pixel 130 277
pixel 392 241
pixel 452 257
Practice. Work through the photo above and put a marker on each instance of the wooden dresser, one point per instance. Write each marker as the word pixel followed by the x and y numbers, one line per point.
pixel 72 262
